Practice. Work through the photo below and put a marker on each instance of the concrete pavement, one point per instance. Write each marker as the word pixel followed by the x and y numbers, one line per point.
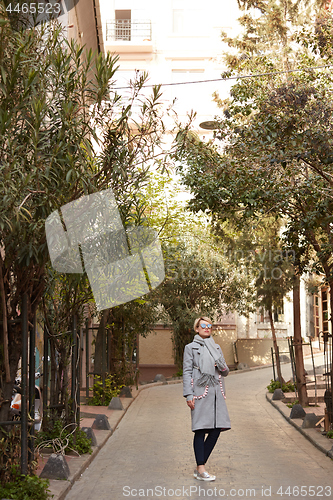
pixel 150 454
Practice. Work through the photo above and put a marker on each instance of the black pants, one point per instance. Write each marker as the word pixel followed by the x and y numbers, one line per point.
pixel 203 447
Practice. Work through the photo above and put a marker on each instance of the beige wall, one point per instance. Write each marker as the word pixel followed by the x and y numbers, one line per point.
pixel 256 352
pixel 157 348
pixel 225 337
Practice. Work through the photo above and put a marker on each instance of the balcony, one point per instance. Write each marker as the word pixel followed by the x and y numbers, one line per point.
pixel 125 35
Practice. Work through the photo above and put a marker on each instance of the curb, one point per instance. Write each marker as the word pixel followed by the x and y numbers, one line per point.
pixel 312 435
pixel 59 488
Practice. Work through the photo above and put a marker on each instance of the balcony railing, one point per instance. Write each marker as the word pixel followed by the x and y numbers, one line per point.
pixel 128 30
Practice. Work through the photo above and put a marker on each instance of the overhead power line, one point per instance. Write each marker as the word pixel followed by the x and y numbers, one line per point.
pixel 236 77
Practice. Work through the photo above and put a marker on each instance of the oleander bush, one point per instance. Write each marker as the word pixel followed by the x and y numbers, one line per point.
pixel 275 384
pixel 64 438
pixel 104 392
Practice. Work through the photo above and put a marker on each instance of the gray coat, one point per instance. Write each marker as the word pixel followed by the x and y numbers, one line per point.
pixel 210 409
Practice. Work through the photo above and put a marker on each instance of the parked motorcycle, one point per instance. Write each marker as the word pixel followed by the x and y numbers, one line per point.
pixel 15 406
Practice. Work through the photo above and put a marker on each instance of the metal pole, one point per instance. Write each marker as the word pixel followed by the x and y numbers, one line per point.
pixel 327 380
pixel 32 367
pixel 24 376
pixel 314 372
pixel 272 354
pixel 87 359
pixel 73 391
pixel 109 350
pixel 331 377
pixel 45 371
pixel 292 360
pixel 103 351
pixel 137 361
pixel 278 355
pixel 78 376
pixel 10 422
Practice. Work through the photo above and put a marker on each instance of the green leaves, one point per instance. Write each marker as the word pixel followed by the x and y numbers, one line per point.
pixel 65 132
pixel 276 149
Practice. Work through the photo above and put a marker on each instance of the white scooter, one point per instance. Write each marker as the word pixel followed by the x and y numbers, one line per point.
pixel 15 406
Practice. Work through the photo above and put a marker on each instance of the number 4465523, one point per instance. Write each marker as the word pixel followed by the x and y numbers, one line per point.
pixel 303 491
pixel 33 8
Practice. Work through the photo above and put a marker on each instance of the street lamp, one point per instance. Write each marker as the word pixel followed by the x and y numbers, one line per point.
pixel 209 125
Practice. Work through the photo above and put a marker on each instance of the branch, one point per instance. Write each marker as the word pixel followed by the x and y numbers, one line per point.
pixel 23 202
pixel 318 170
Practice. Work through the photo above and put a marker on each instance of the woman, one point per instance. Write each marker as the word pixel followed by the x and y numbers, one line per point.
pixel 203 370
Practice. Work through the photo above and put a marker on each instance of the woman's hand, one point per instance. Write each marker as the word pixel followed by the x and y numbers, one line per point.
pixel 190 404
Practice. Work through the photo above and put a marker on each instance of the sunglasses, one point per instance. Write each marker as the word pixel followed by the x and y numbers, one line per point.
pixel 203 325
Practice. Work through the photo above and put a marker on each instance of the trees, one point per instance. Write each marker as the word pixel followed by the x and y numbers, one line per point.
pixel 291 119
pixel 64 297
pixel 268 34
pixel 118 329
pixel 193 287
pixel 53 104
pixel 275 155
pixel 256 250
pixel 275 278
pixel 198 280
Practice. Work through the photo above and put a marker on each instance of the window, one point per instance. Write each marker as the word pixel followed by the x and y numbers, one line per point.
pixel 324 305
pixel 178 21
pixel 188 22
pixel 278 314
pixel 263 316
pixel 123 25
pixel 316 315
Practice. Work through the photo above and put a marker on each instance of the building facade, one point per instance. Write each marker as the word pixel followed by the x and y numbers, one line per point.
pixel 246 340
pixel 176 42
pixel 82 22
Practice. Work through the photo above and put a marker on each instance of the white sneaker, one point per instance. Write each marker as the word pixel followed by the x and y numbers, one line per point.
pixel 204 476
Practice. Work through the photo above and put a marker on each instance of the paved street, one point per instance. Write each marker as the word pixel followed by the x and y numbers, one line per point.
pixel 150 454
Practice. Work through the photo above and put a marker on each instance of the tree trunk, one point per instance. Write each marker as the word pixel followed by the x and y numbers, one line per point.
pixel 100 346
pixel 300 372
pixel 276 350
pixel 53 399
pixel 123 346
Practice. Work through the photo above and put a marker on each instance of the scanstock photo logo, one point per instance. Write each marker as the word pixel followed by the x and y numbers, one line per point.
pixel 32 13
pixel 88 235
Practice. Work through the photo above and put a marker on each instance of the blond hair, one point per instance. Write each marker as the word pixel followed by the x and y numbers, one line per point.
pixel 204 318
